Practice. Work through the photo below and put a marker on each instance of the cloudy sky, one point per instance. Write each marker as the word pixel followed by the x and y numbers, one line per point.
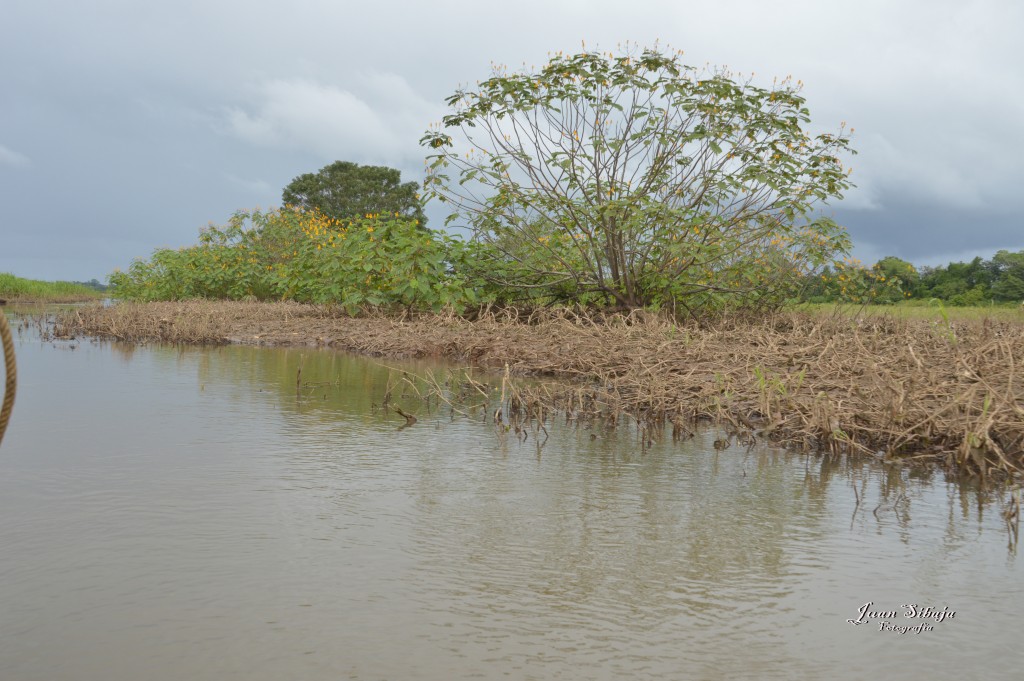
pixel 126 125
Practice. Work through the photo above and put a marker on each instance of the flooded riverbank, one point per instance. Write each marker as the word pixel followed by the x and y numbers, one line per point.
pixel 940 392
pixel 186 512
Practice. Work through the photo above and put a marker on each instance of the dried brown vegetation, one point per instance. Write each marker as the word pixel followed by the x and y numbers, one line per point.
pixel 918 390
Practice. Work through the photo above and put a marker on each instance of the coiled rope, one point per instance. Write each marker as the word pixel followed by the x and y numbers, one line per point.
pixel 12 374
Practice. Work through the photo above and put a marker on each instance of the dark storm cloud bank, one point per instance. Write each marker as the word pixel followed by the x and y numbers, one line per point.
pixel 128 126
pixel 930 234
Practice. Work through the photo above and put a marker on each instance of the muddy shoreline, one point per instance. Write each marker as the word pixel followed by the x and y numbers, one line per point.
pixel 912 391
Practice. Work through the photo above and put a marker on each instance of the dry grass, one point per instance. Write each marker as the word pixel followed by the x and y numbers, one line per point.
pixel 196 321
pixel 923 390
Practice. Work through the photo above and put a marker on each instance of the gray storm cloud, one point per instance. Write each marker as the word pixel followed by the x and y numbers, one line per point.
pixel 136 123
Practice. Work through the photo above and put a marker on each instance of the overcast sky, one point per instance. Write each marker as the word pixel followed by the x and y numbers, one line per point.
pixel 126 125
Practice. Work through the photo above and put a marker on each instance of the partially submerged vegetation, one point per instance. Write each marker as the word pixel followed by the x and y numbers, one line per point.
pixel 927 391
pixel 18 290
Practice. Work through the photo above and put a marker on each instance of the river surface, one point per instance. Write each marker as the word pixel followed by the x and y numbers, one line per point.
pixel 187 513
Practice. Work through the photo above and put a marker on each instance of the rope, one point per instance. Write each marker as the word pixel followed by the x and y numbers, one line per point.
pixel 12 374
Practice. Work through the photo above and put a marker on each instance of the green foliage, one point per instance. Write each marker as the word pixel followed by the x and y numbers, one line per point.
pixel 894 270
pixel 848 281
pixel 1008 274
pixel 974 296
pixel 637 180
pixel 976 283
pixel 18 288
pixel 289 254
pixel 956 279
pixel 344 190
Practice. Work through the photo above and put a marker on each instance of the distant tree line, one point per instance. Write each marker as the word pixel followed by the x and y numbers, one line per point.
pixel 891 279
pixel 94 284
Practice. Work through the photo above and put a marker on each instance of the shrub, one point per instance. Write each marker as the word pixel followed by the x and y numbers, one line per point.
pixel 377 260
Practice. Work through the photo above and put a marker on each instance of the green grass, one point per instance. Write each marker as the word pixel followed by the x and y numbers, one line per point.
pixel 17 289
pixel 921 310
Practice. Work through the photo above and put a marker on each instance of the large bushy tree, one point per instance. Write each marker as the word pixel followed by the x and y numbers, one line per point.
pixel 636 180
pixel 344 190
pixel 890 269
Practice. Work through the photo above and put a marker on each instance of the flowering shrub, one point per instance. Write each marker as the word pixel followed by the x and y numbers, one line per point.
pixel 848 281
pixel 377 260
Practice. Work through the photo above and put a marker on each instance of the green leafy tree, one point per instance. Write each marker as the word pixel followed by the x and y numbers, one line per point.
pixel 1008 271
pixel 344 190
pixel 978 295
pixel 639 180
pixel 958 283
pixel 892 267
pixel 901 276
pixel 848 281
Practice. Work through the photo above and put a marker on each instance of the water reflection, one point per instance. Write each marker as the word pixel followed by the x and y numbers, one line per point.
pixel 192 513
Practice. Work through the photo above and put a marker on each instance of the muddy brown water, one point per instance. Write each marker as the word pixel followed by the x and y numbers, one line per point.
pixel 182 513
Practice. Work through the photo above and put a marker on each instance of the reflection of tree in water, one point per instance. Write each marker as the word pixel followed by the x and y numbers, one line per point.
pixel 591 546
pixel 740 525
pixel 641 532
pixel 657 533
pixel 677 530
pixel 732 524
pixel 123 351
pixel 885 496
pixel 332 385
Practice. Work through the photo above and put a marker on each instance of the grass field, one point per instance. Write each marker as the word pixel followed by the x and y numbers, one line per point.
pixel 17 289
pixel 919 310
